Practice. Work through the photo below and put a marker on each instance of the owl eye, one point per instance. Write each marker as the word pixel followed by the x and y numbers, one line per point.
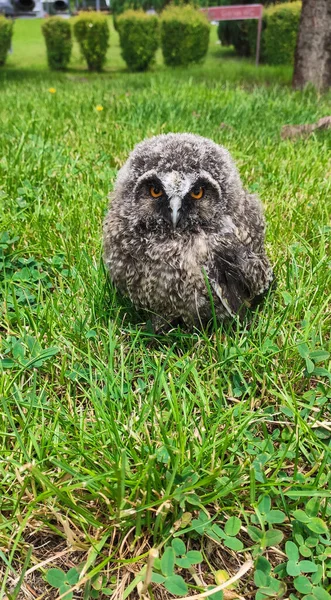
pixel 197 193
pixel 155 191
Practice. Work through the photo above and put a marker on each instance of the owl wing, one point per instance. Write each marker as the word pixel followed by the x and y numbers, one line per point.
pixel 239 278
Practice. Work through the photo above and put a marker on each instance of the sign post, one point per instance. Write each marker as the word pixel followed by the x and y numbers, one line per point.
pixel 238 13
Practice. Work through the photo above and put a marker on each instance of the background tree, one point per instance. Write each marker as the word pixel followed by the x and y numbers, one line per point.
pixel 313 50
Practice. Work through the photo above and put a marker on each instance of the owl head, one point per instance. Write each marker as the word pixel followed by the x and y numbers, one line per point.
pixel 177 182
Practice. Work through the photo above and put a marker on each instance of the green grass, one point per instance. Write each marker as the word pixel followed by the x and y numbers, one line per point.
pixel 112 439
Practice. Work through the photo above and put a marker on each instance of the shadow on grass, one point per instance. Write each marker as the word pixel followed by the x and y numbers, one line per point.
pixel 224 66
pixel 27 74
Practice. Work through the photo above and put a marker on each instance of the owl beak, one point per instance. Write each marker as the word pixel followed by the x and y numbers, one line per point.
pixel 175 206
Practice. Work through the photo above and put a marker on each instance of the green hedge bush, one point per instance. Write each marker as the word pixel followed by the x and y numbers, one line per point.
pixel 235 33
pixel 6 32
pixel 92 33
pixel 184 35
pixel 281 33
pixel 58 39
pixel 139 38
pixel 242 34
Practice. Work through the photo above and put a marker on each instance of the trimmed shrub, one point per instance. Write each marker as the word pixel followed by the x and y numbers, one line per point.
pixel 92 34
pixel 6 32
pixel 139 38
pixel 234 33
pixel 184 35
pixel 281 33
pixel 242 34
pixel 58 39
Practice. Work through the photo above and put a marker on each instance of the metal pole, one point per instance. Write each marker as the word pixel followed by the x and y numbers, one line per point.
pixel 98 5
pixel 258 40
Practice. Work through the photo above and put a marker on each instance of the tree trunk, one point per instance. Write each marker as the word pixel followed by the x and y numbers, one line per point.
pixel 313 51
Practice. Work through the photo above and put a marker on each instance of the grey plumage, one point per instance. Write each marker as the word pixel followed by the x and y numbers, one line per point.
pixel 179 214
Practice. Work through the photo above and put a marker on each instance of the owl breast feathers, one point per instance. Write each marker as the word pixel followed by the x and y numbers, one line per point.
pixel 182 234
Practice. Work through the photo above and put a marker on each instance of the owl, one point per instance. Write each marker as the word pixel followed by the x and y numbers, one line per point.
pixel 182 238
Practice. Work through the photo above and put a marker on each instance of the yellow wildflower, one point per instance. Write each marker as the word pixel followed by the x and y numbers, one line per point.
pixel 99 108
pixel 52 90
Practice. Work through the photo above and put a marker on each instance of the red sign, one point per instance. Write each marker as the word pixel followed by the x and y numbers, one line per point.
pixel 234 13
pixel 238 13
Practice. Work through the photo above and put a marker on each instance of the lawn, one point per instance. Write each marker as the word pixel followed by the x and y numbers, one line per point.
pixel 113 440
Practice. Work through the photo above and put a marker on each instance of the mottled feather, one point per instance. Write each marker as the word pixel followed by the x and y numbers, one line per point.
pixel 159 250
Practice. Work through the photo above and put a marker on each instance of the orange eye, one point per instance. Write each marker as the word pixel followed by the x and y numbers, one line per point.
pixel 197 193
pixel 155 191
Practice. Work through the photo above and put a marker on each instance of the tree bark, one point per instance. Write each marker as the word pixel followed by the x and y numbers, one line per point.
pixel 313 50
